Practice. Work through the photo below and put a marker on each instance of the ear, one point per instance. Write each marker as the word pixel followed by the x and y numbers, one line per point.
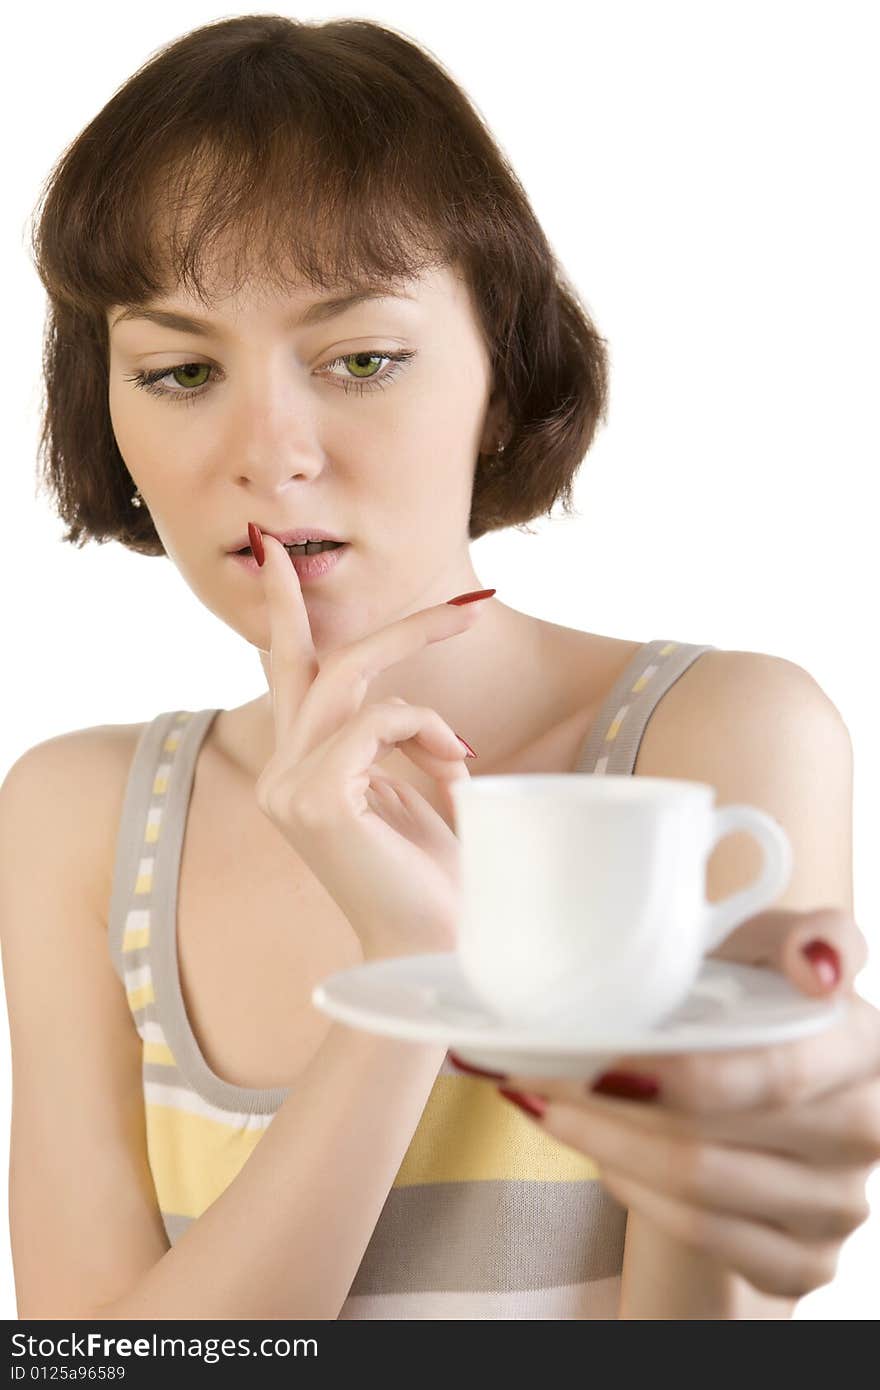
pixel 497 424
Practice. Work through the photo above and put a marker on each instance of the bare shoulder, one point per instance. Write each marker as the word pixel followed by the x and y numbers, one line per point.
pixel 100 749
pixel 741 672
pixel 721 683
pixel 594 661
pixel 79 779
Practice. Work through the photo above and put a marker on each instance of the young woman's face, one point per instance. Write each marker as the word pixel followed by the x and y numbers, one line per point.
pixel 271 415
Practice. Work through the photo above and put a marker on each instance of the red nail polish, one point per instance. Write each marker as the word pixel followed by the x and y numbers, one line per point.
pixel 472 597
pixel 476 1071
pixel 626 1085
pixel 471 753
pixel 825 961
pixel 256 539
pixel 533 1105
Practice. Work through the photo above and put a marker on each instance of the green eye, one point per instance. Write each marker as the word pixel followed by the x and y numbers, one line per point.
pixel 189 373
pixel 362 360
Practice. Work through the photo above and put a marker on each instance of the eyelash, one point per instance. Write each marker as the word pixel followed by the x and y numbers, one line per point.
pixel 148 381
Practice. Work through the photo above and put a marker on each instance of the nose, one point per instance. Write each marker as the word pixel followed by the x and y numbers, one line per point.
pixel 275 430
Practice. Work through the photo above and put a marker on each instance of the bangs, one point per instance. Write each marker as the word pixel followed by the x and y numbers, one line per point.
pixel 278 217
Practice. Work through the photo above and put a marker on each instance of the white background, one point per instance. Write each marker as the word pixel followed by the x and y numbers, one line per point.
pixel 706 174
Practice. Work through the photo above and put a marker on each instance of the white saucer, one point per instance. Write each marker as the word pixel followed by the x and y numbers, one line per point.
pixel 426 999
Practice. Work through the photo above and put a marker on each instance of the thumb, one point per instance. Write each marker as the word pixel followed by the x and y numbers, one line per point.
pixel 820 950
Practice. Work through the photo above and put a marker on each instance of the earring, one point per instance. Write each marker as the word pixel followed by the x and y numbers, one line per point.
pixel 137 500
pixel 494 461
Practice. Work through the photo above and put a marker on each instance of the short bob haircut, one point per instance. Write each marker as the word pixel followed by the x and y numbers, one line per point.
pixel 344 153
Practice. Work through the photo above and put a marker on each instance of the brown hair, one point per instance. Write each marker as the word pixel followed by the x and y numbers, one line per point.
pixel 343 150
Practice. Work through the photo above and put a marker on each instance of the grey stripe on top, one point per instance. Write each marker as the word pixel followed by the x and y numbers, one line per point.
pixel 432 1238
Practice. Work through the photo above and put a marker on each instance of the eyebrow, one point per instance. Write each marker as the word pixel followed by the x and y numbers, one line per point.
pixel 318 312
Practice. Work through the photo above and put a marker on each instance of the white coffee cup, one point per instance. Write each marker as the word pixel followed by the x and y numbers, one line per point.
pixel 584 897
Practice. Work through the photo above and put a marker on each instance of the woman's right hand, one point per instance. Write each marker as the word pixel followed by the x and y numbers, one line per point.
pixel 382 852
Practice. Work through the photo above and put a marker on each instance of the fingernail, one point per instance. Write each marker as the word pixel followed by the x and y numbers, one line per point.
pixel 256 539
pixel 471 753
pixel 825 961
pixel 477 1071
pixel 626 1085
pixel 472 598
pixel 533 1105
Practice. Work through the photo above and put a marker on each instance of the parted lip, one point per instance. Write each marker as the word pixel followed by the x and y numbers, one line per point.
pixel 297 537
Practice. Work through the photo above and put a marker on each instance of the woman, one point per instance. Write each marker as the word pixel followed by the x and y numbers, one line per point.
pixel 229 1153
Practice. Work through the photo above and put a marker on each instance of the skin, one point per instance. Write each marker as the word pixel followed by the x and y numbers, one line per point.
pixel 275 439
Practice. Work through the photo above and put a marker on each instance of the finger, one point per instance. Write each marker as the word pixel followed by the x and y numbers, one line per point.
pixel 777 938
pixel 773 1261
pixel 293 659
pixel 445 772
pixel 444 763
pixel 409 795
pixel 382 798
pixel 446 767
pixel 802 957
pixel 431 748
pixel 835 1130
pixel 397 808
pixel 408 812
pixel 344 760
pixel 345 681
pixel 813 1204
pixel 785 1074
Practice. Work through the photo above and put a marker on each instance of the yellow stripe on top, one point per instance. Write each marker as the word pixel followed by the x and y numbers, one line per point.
pixel 193 1159
pixel 467 1133
pixel 470 1133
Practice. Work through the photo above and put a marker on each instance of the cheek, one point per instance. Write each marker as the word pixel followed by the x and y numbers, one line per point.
pixel 138 440
pixel 423 492
pixel 122 421
pixel 161 463
pixel 155 437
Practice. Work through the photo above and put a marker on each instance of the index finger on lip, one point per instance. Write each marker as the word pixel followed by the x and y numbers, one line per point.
pixel 294 662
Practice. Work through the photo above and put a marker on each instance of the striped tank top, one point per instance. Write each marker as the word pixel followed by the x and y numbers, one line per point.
pixel 487 1217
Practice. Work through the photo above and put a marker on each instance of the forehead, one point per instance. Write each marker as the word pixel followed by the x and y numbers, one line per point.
pixel 437 289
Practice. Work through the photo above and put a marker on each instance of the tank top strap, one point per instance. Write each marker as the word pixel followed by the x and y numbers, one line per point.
pixel 153 814
pixel 612 744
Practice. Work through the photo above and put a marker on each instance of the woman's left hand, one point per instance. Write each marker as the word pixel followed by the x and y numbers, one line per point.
pixel 760 1156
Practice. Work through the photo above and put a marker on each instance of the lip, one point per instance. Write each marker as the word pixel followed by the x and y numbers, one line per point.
pixel 302 533
pixel 308 567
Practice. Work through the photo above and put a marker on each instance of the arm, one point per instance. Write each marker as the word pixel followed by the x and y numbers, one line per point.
pixel 664 1279
pixel 285 1239
pixel 761 731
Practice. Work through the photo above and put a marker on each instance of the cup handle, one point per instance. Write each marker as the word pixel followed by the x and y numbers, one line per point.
pixel 721 917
